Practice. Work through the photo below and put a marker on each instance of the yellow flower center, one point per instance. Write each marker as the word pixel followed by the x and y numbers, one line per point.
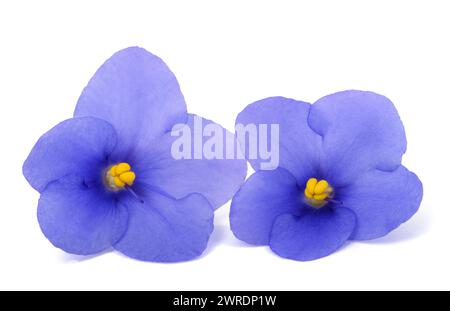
pixel 317 192
pixel 119 176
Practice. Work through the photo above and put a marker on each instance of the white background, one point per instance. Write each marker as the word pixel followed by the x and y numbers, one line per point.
pixel 226 55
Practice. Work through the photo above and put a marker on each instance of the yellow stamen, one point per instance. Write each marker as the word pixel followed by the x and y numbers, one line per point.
pixel 320 197
pixel 311 185
pixel 308 194
pixel 120 175
pixel 128 178
pixel 122 168
pixel 321 187
pixel 118 183
pixel 317 192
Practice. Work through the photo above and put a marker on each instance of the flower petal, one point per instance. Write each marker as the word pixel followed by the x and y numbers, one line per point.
pixel 263 197
pixel 361 131
pixel 215 178
pixel 79 219
pixel 314 234
pixel 76 146
pixel 299 148
pixel 163 229
pixel 136 92
pixel 382 201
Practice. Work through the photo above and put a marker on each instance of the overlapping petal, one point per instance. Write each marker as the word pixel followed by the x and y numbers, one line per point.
pixel 136 92
pixel 80 219
pixel 299 145
pixel 263 197
pixel 217 179
pixel 77 146
pixel 361 131
pixel 163 229
pixel 314 234
pixel 382 201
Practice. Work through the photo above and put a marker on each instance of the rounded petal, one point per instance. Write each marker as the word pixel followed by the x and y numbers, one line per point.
pixel 361 131
pixel 382 201
pixel 299 145
pixel 79 219
pixel 77 146
pixel 263 197
pixel 315 234
pixel 136 92
pixel 163 229
pixel 216 178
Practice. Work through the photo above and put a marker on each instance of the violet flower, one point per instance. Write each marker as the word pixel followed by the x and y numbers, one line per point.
pixel 339 178
pixel 107 176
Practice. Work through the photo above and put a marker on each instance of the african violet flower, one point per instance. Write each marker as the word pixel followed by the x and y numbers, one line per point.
pixel 339 177
pixel 107 177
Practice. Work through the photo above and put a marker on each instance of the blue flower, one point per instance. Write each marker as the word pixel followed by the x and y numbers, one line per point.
pixel 339 177
pixel 107 176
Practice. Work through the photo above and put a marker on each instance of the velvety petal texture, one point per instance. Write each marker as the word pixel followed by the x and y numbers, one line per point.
pixel 78 146
pixel 361 131
pixel 299 144
pixel 382 201
pixel 265 196
pixel 163 229
pixel 314 234
pixel 80 219
pixel 136 92
pixel 217 178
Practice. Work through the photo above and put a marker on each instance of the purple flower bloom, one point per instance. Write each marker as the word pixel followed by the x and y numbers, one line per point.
pixel 107 177
pixel 340 176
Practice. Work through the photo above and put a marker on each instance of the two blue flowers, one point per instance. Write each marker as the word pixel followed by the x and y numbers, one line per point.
pixel 108 179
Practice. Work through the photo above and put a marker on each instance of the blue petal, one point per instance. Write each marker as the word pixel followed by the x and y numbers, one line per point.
pixel 264 196
pixel 299 145
pixel 314 234
pixel 136 92
pixel 382 201
pixel 361 131
pixel 216 179
pixel 76 146
pixel 79 219
pixel 163 229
